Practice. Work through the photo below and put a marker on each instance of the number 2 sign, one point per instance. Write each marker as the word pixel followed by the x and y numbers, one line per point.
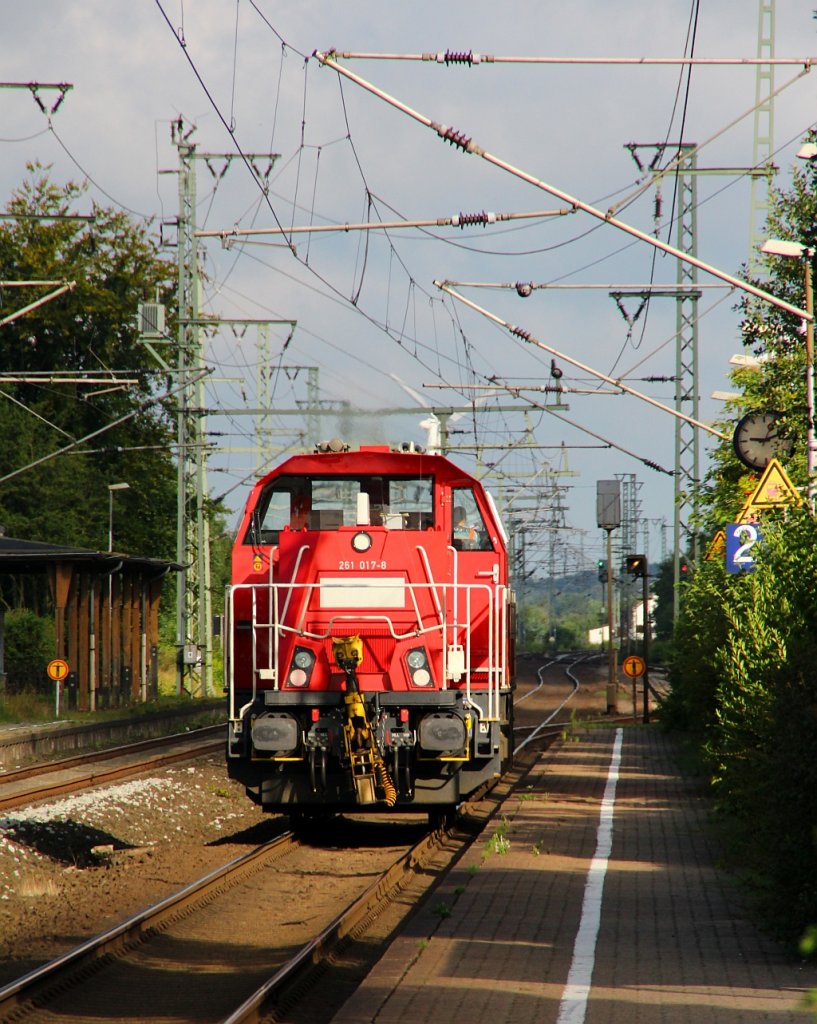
pixel 741 539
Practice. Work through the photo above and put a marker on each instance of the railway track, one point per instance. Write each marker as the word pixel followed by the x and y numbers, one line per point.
pixel 68 775
pixel 66 973
pixel 193 934
pixel 147 964
pixel 547 726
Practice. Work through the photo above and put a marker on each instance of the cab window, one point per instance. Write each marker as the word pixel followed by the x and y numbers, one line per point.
pixel 327 503
pixel 469 531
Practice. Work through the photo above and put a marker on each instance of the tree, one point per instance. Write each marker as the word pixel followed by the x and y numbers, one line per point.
pixel 745 646
pixel 778 383
pixel 114 263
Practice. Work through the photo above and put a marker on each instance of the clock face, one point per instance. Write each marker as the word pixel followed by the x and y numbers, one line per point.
pixel 757 441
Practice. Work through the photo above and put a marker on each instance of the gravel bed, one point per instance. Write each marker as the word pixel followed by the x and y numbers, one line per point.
pixel 74 866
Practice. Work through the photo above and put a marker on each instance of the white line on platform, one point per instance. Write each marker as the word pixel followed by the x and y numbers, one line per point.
pixel 573 1006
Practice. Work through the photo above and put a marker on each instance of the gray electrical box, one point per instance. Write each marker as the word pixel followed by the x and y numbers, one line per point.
pixel 151 319
pixel 191 655
pixel 608 504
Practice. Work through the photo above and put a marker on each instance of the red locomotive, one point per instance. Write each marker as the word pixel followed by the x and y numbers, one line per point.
pixel 369 636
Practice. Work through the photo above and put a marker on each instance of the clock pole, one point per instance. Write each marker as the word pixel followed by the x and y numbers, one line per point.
pixel 807 257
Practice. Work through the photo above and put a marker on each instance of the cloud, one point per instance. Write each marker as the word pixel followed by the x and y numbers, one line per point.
pixel 567 125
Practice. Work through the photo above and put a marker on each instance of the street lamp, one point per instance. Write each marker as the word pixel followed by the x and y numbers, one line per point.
pixel 111 488
pixel 608 517
pixel 796 250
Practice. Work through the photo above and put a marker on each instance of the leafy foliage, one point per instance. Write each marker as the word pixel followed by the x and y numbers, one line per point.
pixel 113 264
pixel 558 613
pixel 700 633
pixel 745 647
pixel 762 749
pixel 744 680
pixel 663 589
pixel 776 337
pixel 29 646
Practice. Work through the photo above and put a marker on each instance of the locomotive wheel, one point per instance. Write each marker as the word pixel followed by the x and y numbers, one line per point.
pixel 304 821
pixel 442 818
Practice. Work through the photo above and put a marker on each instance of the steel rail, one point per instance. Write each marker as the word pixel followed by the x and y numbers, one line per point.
pixel 537 732
pixel 347 920
pixel 55 974
pixel 186 750
pixel 56 971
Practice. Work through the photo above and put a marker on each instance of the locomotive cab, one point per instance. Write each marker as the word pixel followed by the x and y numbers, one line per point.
pixel 369 650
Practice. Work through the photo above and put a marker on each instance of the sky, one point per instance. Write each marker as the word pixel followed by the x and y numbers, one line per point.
pixel 242 78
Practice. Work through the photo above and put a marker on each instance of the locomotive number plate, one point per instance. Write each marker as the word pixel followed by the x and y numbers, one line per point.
pixel 362 564
pixel 363 592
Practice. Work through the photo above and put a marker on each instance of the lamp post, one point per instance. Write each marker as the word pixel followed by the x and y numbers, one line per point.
pixel 796 250
pixel 608 516
pixel 111 488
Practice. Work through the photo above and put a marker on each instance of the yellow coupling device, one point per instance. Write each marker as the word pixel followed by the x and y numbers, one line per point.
pixel 347 651
pixel 369 773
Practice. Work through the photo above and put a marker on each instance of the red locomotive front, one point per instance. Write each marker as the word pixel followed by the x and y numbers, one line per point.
pixel 369 644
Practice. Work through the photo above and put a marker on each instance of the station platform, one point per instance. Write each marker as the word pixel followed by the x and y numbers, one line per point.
pixel 593 896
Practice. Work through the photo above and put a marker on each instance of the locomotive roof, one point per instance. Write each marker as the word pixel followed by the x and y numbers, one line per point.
pixel 373 459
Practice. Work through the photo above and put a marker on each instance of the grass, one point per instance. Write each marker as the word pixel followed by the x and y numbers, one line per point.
pixel 35 888
pixel 26 707
pixel 35 708
pixel 499 842
pixel 31 708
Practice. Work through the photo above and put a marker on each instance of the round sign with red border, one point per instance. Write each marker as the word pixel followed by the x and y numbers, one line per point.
pixel 633 666
pixel 57 669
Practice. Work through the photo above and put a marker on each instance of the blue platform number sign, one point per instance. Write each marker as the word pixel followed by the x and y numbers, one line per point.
pixel 741 541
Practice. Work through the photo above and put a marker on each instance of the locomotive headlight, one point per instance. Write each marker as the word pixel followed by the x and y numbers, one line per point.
pixel 416 658
pixel 303 661
pixel 361 542
pixel 303 658
pixel 417 661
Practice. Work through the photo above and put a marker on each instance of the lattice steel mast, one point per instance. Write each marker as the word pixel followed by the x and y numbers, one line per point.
pixel 763 146
pixel 193 599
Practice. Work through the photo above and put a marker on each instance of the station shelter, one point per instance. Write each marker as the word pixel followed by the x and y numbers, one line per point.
pixel 106 618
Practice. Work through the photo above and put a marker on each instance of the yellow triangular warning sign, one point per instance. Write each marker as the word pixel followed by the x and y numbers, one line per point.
pixel 774 490
pixel 717 546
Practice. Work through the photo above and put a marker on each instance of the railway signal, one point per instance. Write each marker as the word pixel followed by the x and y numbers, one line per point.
pixel 636 565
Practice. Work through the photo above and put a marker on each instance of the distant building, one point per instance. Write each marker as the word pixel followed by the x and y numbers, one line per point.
pixel 598 637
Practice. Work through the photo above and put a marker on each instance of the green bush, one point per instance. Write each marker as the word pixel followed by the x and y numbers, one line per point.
pixel 700 634
pixel 744 676
pixel 29 648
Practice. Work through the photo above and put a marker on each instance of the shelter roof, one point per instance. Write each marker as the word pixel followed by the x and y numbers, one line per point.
pixel 30 556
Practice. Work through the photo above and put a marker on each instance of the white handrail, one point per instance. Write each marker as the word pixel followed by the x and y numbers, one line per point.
pixel 494 606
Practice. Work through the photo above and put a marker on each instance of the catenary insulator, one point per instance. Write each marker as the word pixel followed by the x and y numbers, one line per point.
pixel 460 220
pixel 458 57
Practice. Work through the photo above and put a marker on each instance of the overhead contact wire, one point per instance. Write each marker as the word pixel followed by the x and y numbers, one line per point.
pixel 460 140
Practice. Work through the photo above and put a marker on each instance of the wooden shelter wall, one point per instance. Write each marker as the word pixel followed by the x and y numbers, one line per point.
pixel 107 629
